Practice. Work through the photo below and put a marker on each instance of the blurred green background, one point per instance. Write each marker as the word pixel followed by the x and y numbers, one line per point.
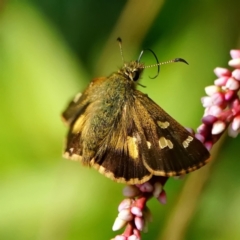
pixel 50 50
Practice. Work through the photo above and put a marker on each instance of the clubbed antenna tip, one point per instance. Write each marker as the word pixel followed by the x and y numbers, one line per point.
pixel 180 60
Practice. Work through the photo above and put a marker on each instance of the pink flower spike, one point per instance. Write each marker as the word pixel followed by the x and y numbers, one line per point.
pixel 218 127
pixel 236 123
pixel 235 53
pixel 162 197
pixel 234 63
pixel 220 72
pixel 131 191
pixel 236 74
pixel 232 84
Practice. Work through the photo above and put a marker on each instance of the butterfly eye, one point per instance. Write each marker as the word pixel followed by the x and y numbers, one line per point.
pixel 135 75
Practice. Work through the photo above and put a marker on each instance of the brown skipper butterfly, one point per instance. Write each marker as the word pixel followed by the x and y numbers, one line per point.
pixel 124 134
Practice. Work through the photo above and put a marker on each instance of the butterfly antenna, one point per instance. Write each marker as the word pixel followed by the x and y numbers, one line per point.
pixel 120 47
pixel 158 65
pixel 170 61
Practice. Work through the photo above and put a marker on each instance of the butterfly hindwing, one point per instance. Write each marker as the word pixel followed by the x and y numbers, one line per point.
pixel 172 149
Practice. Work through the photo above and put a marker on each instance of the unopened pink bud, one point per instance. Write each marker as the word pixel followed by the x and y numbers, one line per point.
pixel 229 95
pixel 162 197
pixel 226 116
pixel 157 189
pixel 209 119
pixel 236 74
pixel 235 53
pixel 210 90
pixel 120 237
pixel 139 223
pixel 218 127
pixel 136 232
pixel 218 98
pixel 206 101
pixel 208 145
pixel 136 211
pixel 232 84
pixel 234 63
pixel 146 187
pixel 200 137
pixel 202 129
pixel 125 215
pixel 222 72
pixel 235 103
pixel 133 237
pixel 221 81
pixel 236 123
pixel 214 110
pixel 231 132
pixel 126 203
pixel 118 224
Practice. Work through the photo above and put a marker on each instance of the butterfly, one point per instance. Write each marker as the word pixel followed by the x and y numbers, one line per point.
pixel 125 135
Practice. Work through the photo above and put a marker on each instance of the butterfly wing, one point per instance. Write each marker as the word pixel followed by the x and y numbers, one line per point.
pixel 172 150
pixel 80 102
pixel 131 142
pixel 120 155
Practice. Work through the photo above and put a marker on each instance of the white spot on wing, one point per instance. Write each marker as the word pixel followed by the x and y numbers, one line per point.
pixel 163 142
pixel 187 141
pixel 163 125
pixel 132 147
pixel 149 144
pixel 76 98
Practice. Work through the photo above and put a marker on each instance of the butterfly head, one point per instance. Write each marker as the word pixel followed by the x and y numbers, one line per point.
pixel 132 71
